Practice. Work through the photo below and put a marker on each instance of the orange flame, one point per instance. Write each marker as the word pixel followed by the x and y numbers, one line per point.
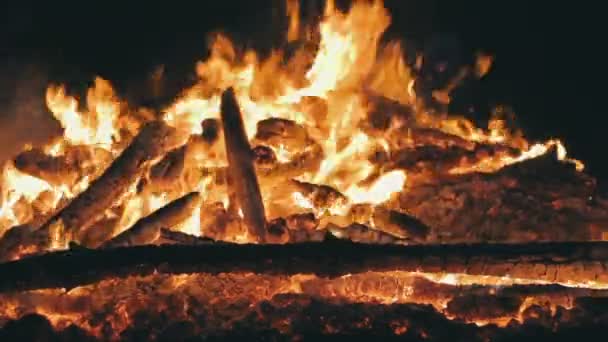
pixel 327 92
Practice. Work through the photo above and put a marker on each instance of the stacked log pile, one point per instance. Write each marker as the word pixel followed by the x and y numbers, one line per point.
pixel 475 223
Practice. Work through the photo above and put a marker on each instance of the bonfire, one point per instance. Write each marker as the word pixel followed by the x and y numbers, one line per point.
pixel 310 190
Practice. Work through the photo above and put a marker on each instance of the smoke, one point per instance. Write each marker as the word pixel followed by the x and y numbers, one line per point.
pixel 24 118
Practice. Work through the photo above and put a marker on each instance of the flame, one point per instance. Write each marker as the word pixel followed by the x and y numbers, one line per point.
pixel 293 12
pixel 328 96
pixel 330 93
pixel 97 126
pixel 381 191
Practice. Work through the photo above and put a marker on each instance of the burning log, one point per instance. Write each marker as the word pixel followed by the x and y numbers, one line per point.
pixel 168 236
pixel 148 229
pixel 281 132
pixel 565 263
pixel 442 160
pixel 399 224
pixel 428 137
pixel 154 140
pixel 243 180
pixel 360 233
pixel 168 171
pixel 65 169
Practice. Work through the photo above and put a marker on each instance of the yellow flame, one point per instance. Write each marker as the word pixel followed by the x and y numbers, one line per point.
pixel 97 126
pixel 326 90
pixel 381 191
pixel 293 12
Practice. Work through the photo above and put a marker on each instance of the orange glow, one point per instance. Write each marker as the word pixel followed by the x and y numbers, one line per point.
pixel 329 94
pixel 331 126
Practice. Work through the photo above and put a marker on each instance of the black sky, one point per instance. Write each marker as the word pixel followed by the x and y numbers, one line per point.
pixel 548 63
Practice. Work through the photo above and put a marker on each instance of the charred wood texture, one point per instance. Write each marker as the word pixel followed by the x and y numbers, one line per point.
pixel 243 179
pixel 551 262
pixel 151 143
pixel 148 229
pixel 66 169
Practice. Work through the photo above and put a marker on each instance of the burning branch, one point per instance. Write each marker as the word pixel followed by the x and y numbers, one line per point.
pixel 148 229
pixel 151 143
pixel 243 180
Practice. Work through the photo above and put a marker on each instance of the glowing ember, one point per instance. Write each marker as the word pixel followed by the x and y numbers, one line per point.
pixel 341 144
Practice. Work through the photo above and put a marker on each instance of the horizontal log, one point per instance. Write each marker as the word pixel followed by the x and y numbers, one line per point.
pixel 575 263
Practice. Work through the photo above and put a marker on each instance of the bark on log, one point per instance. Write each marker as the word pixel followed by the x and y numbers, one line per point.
pixel 65 169
pixel 244 182
pixel 582 263
pixel 148 229
pixel 154 140
pixel 168 236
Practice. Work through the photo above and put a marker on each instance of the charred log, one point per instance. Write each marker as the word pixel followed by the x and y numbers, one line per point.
pixel 154 140
pixel 148 229
pixel 244 182
pixel 287 133
pixel 549 262
pixel 168 171
pixel 168 236
pixel 66 169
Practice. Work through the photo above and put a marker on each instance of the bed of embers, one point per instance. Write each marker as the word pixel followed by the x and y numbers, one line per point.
pixel 319 192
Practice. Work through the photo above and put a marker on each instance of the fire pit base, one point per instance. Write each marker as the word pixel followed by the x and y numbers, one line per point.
pixel 203 306
pixel 285 318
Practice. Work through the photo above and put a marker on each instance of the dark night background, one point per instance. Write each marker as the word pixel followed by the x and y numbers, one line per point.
pixel 547 64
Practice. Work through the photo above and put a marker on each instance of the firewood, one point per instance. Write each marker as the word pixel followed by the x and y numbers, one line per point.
pixel 55 170
pixel 441 161
pixel 281 132
pixel 427 137
pixel 308 160
pixel 360 233
pixel 64 169
pixel 166 173
pixel 148 229
pixel 581 263
pixel 399 224
pixel 168 236
pixel 151 143
pixel 243 179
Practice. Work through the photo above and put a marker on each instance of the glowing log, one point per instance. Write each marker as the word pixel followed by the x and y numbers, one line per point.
pixel 168 171
pixel 148 229
pixel 64 169
pixel 243 180
pixel 151 143
pixel 574 264
pixel 168 236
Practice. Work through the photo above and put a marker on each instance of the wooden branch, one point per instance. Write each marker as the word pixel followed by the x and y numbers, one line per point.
pixel 148 229
pixel 577 263
pixel 152 142
pixel 244 182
